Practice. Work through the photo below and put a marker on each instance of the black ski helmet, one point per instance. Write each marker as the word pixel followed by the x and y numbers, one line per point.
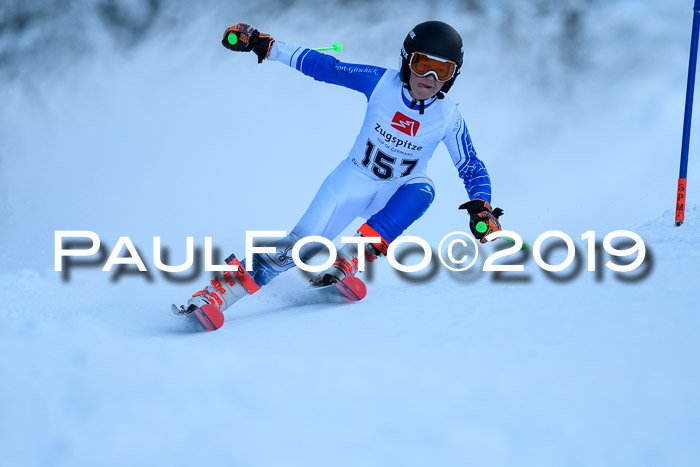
pixel 432 38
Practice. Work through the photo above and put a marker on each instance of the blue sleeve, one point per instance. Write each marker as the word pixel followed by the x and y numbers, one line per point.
pixel 326 68
pixel 470 168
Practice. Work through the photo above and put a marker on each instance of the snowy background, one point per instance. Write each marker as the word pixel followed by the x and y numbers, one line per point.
pixel 128 118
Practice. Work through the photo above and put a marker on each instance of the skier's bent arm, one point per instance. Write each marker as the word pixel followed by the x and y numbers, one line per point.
pixel 483 220
pixel 471 169
pixel 326 68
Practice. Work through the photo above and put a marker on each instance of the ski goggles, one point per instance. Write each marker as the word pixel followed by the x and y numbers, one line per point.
pixel 424 65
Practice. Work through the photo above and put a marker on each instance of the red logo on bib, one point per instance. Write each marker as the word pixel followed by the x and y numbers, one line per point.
pixel 405 124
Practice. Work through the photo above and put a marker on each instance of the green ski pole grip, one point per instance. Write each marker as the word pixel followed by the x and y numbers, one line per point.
pixel 232 38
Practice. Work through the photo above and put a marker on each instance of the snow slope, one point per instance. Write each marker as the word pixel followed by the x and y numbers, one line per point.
pixel 178 137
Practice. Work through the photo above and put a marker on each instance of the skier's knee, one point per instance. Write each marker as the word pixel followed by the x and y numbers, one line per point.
pixel 406 206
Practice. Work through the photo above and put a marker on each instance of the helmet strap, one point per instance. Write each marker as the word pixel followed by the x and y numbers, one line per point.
pixel 421 102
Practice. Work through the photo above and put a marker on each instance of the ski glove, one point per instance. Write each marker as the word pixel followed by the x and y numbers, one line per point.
pixel 243 38
pixel 483 220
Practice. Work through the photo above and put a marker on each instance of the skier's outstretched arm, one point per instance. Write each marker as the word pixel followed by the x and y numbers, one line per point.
pixel 321 67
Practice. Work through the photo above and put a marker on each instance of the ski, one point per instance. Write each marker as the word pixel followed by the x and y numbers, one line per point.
pixel 211 318
pixel 208 316
pixel 351 288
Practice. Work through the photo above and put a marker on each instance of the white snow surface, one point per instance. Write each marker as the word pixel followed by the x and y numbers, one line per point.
pixel 178 137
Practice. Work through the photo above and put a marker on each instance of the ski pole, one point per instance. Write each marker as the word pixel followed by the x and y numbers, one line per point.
pixel 510 240
pixel 481 227
pixel 683 173
pixel 336 47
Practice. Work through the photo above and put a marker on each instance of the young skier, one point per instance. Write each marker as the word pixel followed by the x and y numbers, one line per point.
pixel 384 177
